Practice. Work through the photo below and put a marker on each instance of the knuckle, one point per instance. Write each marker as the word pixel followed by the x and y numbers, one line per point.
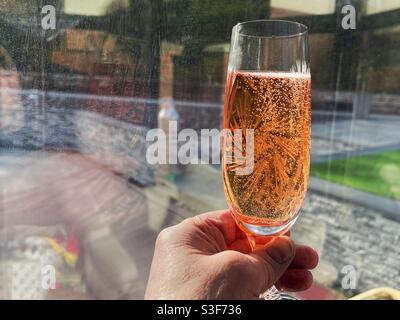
pixel 196 221
pixel 164 236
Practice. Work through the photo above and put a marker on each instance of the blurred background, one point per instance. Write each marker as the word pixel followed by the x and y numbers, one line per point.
pixel 76 191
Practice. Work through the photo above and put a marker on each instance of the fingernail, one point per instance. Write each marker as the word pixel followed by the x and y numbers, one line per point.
pixel 281 249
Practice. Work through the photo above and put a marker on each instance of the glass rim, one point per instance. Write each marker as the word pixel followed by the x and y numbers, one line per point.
pixel 303 29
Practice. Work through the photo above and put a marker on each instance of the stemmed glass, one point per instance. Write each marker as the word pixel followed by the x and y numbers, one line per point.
pixel 267 119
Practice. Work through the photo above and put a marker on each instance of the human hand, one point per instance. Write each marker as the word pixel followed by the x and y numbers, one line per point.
pixel 208 257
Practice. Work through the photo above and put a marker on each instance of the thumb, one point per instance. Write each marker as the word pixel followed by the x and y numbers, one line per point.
pixel 271 261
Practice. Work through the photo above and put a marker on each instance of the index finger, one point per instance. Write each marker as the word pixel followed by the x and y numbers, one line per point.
pixel 225 222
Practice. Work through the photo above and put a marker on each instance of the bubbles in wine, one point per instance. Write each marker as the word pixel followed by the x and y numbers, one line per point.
pixel 277 107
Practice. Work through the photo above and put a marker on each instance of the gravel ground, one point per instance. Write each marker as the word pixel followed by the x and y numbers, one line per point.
pixel 348 234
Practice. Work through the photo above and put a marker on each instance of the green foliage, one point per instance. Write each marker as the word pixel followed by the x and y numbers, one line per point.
pixel 377 173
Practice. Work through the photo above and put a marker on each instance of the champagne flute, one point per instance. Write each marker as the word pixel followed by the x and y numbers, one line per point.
pixel 267 119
